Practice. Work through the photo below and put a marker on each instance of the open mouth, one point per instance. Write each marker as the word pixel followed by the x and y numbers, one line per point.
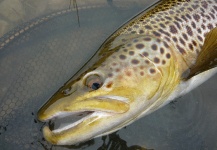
pixel 63 121
pixel 71 120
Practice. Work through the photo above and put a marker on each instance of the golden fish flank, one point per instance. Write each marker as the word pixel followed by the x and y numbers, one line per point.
pixel 144 65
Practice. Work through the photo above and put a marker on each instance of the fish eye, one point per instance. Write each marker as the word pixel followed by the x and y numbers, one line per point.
pixel 93 82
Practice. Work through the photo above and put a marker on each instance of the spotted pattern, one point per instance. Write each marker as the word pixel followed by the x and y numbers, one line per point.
pixel 135 61
pixel 156 60
pixel 152 71
pixel 139 46
pixel 138 57
pixel 122 57
pixel 154 47
pixel 147 45
pixel 178 22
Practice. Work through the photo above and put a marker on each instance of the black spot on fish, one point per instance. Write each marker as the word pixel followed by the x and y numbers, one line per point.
pixel 196 17
pixel 161 50
pixel 135 61
pixel 173 29
pixel 156 33
pixel 181 50
pixel 145 54
pixel 141 31
pixel 156 60
pixel 189 30
pixel 131 53
pixel 200 38
pixel 185 36
pixel 194 42
pixel 147 39
pixel 152 71
pixel 175 39
pixel 193 24
pixel 140 46
pixel 154 47
pixel 210 26
pixel 122 57
pixel 168 56
pixel 182 41
pixel 190 46
pixel 162 25
pixel 165 44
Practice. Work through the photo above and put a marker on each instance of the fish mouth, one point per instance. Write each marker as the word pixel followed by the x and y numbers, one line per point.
pixel 62 121
pixel 64 126
pixel 65 121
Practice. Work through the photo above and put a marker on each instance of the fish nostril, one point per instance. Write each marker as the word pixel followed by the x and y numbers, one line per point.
pixel 68 91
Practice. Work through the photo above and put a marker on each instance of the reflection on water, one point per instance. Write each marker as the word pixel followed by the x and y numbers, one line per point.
pixel 42 58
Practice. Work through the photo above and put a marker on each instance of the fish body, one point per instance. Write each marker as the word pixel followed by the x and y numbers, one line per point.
pixel 157 56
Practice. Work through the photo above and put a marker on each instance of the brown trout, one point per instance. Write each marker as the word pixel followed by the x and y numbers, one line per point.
pixel 159 55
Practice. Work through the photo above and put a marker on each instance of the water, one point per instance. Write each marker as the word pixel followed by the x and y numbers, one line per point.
pixel 42 58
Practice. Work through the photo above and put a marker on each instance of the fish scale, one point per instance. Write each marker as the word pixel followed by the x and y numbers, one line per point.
pixel 183 24
pixel 137 54
pixel 157 56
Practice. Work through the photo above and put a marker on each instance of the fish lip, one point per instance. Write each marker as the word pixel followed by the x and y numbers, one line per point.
pixel 92 114
pixel 112 97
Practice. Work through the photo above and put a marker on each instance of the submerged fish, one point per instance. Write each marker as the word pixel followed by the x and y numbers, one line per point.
pixel 159 55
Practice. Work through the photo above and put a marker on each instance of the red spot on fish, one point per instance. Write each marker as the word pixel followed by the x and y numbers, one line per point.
pixel 109 85
pixel 128 73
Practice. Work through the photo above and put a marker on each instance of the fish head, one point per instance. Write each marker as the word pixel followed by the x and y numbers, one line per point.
pixel 122 85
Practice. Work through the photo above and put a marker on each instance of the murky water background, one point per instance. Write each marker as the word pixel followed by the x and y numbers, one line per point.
pixel 42 54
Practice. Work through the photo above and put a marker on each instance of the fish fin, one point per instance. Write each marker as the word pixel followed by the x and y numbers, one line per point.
pixel 207 58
